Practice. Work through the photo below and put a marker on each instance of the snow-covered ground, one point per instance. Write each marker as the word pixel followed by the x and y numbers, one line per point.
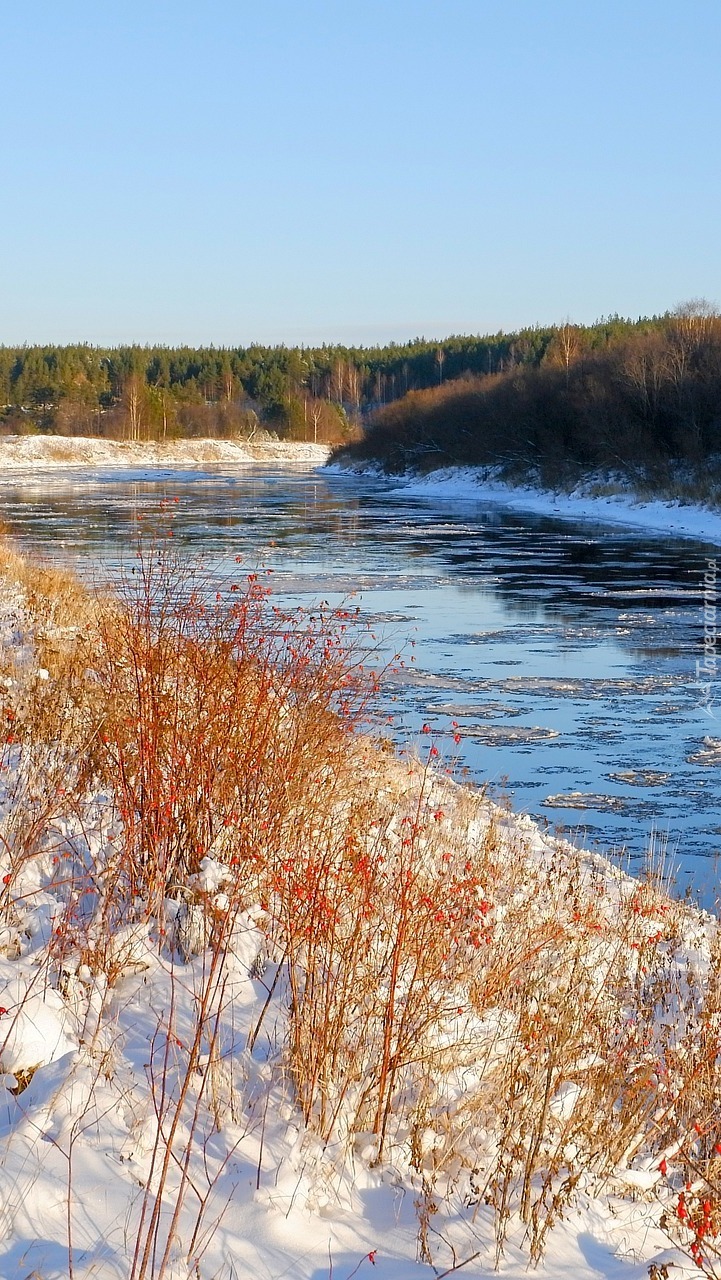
pixel 28 453
pixel 481 485
pixel 146 1069
pixel 94 1059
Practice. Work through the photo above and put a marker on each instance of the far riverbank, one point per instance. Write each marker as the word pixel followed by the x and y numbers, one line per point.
pixel 25 453
pixel 601 501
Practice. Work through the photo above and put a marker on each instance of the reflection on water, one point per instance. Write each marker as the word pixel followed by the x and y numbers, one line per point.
pixel 564 653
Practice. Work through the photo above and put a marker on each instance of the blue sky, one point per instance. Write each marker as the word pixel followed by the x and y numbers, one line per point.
pixel 351 170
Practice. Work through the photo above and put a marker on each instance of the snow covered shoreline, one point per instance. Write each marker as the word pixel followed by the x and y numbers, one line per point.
pixel 30 453
pixel 472 484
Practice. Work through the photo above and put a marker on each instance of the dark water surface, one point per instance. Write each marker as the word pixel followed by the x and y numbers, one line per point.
pixel 565 653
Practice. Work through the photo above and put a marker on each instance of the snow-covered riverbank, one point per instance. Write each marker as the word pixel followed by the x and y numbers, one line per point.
pixel 685 520
pixel 29 453
pixel 376 1022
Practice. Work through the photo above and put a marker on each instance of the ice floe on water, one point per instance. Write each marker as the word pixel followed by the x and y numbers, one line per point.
pixel 586 800
pixel 484 710
pixel 640 777
pixel 592 687
pixel 496 735
pixel 709 753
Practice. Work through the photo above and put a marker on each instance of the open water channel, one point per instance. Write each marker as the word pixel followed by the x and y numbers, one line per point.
pixel 564 653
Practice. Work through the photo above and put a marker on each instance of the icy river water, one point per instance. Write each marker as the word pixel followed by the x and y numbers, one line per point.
pixel 564 653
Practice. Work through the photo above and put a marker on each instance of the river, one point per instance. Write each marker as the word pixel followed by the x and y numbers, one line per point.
pixel 562 655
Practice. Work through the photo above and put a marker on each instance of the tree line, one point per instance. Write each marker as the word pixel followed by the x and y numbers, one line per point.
pixel 320 393
pixel 637 398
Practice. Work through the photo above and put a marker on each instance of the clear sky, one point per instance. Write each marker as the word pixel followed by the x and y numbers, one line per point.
pixel 353 170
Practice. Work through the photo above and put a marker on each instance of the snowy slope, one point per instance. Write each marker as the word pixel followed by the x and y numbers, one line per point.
pixel 481 485
pixel 22 453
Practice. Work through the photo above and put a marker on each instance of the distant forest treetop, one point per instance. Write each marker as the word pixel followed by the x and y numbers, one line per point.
pixel 306 393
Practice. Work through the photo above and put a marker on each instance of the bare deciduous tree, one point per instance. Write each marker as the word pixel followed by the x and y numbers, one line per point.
pixel 133 396
pixel 570 341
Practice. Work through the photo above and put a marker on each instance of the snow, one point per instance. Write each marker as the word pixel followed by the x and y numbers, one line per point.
pixel 281 1203
pixel 564 1100
pixel 33 1028
pixel 471 484
pixel 32 453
